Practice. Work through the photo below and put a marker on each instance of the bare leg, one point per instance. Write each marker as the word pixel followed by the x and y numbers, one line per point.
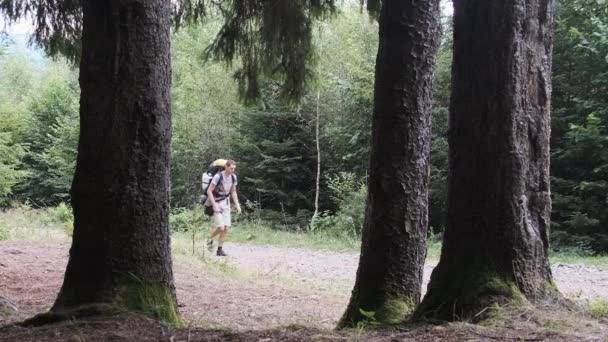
pixel 217 232
pixel 222 238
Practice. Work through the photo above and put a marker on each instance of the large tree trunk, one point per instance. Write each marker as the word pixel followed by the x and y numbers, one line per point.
pixel 496 240
pixel 120 252
pixel 393 250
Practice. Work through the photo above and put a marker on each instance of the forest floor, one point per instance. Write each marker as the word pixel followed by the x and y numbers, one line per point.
pixel 263 293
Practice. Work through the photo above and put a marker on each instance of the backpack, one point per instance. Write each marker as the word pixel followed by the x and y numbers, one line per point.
pixel 215 167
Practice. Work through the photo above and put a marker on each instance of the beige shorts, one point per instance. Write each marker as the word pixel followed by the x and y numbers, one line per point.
pixel 222 219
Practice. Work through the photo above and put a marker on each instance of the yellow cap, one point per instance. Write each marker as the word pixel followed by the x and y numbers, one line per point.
pixel 220 162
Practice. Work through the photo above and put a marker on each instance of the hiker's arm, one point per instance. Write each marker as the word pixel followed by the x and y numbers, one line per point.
pixel 235 199
pixel 212 198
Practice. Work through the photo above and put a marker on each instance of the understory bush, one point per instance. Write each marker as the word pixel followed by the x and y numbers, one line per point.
pixel 349 193
pixel 599 309
pixel 186 219
pixel 63 215
pixel 565 244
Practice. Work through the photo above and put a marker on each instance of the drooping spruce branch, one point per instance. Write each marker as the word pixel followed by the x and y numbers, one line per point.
pixel 57 23
pixel 271 38
pixel 186 12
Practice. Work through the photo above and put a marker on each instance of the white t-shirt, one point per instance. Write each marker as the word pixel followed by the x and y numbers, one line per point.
pixel 223 189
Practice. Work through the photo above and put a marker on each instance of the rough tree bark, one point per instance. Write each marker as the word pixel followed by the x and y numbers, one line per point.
pixel 496 240
pixel 120 255
pixel 393 250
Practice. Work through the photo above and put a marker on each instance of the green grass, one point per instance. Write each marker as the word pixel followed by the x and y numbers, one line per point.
pixel 570 258
pixel 261 234
pixel 258 234
pixel 27 224
pixel 433 248
pixel 599 309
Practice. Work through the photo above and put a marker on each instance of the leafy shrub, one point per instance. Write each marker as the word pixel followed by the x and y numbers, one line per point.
pixel 10 158
pixel 180 220
pixel 599 309
pixel 349 193
pixel 62 213
pixel 186 219
pixel 565 244
pixel 63 216
pixel 327 222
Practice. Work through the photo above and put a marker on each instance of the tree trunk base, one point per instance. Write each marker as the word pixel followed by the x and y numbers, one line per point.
pixel 468 298
pixel 147 299
pixel 54 316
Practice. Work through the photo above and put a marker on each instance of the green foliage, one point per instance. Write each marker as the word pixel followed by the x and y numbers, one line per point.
pixel 581 185
pixel 565 244
pixel 51 136
pixel 438 191
pixel 347 48
pixel 276 156
pixel 349 193
pixel 183 220
pixel 57 23
pixel 16 76
pixel 62 215
pixel 272 38
pixel 599 309
pixel 369 319
pixel 439 142
pixel 10 157
pixel 274 144
pixel 202 120
pixel 38 130
pixel 579 139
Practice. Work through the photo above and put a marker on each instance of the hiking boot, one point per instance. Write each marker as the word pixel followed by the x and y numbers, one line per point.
pixel 210 245
pixel 220 252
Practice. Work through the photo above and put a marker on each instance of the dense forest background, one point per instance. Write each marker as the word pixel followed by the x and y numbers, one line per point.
pixel 275 143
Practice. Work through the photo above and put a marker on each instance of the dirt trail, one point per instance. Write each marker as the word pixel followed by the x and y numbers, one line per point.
pixel 576 281
pixel 254 288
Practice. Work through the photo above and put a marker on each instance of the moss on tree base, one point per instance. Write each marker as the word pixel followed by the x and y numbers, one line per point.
pixel 393 310
pixel 150 299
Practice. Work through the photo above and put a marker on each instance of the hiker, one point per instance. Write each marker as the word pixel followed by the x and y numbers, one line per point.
pixel 222 188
